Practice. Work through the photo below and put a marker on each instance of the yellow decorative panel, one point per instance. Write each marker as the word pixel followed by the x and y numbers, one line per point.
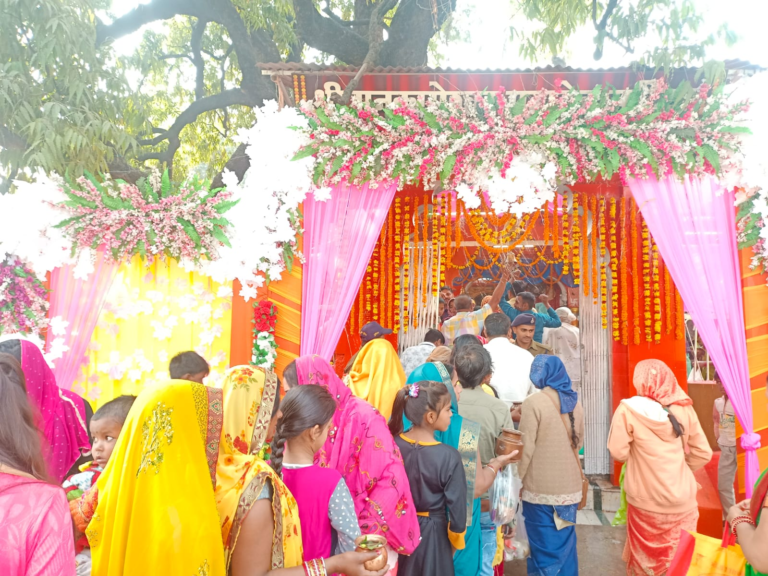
pixel 151 314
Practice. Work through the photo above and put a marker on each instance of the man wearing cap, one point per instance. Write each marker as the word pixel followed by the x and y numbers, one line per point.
pixel 524 327
pixel 369 332
pixel 525 303
pixel 467 319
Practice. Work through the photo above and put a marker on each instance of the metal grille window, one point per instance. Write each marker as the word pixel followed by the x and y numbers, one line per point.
pixel 698 363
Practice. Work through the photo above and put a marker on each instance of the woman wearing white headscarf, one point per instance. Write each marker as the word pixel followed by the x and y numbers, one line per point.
pixel 565 344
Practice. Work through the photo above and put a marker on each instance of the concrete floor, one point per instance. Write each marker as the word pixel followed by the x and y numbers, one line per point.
pixel 600 549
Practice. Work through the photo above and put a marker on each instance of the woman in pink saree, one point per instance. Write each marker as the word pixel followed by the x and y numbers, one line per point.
pixel 361 448
pixel 35 525
pixel 61 412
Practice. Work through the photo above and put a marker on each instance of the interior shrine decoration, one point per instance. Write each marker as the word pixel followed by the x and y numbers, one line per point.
pixel 150 219
pixel 515 148
pixel 23 299
pixel 264 345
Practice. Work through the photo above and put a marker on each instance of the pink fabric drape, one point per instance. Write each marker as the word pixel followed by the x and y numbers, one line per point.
pixel 693 224
pixel 79 303
pixel 339 236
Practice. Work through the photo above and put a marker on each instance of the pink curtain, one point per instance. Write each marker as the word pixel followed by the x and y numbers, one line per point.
pixel 693 224
pixel 339 236
pixel 78 302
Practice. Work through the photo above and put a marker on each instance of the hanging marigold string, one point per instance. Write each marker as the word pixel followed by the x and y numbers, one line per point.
pixel 383 273
pixel 624 287
pixel 575 241
pixel 585 236
pixel 614 256
pixel 595 243
pixel 669 290
pixel 547 228
pixel 397 259
pixel 391 312
pixel 566 233
pixel 603 264
pixel 656 292
pixel 406 278
pixel 443 241
pixel 647 283
pixel 425 265
pixel 448 232
pixel 436 264
pixel 457 225
pixel 635 277
pixel 376 281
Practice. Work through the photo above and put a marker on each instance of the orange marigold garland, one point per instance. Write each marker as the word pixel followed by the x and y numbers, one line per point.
pixel 376 281
pixel 397 259
pixel 566 233
pixel 647 287
pixel 457 225
pixel 585 235
pixel 614 255
pixel 406 279
pixel 426 270
pixel 624 288
pixel 555 231
pixel 656 293
pixel 603 275
pixel 595 241
pixel 448 232
pixel 391 313
pixel 635 277
pixel 575 240
pixel 669 289
pixel 436 264
pixel 443 242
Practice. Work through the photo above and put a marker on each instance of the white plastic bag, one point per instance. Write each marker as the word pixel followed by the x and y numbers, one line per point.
pixel 504 495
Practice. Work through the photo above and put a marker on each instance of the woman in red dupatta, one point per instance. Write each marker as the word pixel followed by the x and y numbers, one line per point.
pixel 658 435
pixel 361 448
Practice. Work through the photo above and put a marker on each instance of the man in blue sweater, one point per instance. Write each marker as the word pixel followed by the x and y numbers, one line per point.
pixel 525 304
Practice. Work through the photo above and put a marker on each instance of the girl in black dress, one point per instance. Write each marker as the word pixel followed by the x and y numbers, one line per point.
pixel 436 475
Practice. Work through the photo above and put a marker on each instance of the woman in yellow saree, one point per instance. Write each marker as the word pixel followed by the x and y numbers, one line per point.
pixel 156 512
pixel 377 375
pixel 251 497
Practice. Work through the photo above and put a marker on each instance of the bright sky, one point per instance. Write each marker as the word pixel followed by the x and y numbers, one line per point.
pixel 490 47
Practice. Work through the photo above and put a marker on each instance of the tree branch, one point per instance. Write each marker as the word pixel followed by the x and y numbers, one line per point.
pixel 327 35
pixel 412 27
pixel 144 14
pixel 196 43
pixel 233 97
pixel 375 41
pixel 602 25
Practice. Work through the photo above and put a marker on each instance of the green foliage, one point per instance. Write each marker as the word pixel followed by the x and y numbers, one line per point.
pixel 673 25
pixel 61 98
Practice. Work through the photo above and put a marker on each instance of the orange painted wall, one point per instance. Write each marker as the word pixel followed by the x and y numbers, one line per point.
pixel 285 294
pixel 755 293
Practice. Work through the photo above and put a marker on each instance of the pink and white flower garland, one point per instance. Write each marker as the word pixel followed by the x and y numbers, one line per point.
pixel 498 142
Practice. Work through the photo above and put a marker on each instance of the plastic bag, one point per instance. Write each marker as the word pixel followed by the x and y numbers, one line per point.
pixel 620 519
pixel 517 547
pixel 504 495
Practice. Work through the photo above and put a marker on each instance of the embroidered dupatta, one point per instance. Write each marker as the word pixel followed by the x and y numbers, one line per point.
pixel 155 497
pixel 361 448
pixel 249 396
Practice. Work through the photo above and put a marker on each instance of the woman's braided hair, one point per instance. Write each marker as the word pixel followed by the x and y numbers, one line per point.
pixel 303 407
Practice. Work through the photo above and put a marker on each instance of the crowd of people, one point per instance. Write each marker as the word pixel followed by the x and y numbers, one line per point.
pixel 386 471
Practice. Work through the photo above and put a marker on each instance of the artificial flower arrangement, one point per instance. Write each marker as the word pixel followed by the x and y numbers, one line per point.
pixel 151 218
pixel 23 299
pixel 517 148
pixel 264 345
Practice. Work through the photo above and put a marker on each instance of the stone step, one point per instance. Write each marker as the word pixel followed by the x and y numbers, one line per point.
pixel 603 496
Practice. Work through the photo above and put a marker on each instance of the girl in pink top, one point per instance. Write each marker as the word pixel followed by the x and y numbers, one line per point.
pixel 35 525
pixel 326 510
